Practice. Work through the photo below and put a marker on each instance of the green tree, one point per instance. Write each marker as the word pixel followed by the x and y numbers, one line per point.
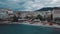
pixel 39 17
pixel 15 19
pixel 30 17
pixel 26 17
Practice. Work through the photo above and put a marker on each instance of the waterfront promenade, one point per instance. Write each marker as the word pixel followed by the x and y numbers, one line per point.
pixel 33 23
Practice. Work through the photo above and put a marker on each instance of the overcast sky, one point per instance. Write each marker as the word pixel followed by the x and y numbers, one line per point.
pixel 28 5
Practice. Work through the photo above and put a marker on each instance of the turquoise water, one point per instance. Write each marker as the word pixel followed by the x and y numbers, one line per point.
pixel 27 29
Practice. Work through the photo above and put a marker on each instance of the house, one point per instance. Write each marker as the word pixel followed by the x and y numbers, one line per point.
pixel 4 13
pixel 32 13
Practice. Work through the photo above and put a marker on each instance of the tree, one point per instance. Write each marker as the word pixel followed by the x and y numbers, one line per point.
pixel 18 15
pixel 39 17
pixel 26 17
pixel 15 19
pixel 30 17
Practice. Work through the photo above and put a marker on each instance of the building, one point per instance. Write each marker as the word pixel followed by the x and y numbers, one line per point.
pixel 56 13
pixel 4 13
pixel 32 13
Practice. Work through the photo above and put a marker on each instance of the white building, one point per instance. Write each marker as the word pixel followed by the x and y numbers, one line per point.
pixel 4 13
pixel 56 13
pixel 32 13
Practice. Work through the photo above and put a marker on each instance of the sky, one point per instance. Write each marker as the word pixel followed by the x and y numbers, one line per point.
pixel 28 5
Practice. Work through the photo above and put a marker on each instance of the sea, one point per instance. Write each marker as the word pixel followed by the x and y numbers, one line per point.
pixel 27 29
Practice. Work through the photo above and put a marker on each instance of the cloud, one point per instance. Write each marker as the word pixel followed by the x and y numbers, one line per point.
pixel 53 1
pixel 33 5
pixel 28 5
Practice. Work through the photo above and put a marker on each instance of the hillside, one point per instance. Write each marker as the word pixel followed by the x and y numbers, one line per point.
pixel 48 8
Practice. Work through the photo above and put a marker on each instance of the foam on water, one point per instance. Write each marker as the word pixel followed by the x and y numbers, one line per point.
pixel 40 24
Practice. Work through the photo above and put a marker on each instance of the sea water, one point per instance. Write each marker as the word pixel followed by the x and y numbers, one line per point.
pixel 27 29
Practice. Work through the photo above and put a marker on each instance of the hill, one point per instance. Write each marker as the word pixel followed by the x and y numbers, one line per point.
pixel 48 8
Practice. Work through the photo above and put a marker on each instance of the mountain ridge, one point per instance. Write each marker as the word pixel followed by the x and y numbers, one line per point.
pixel 48 8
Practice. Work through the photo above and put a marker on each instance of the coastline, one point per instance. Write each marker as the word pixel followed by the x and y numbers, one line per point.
pixel 38 24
